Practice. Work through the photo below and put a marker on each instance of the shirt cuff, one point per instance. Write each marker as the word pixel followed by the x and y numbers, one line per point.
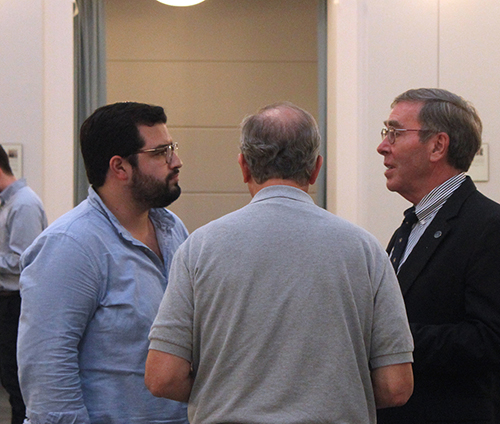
pixel 393 359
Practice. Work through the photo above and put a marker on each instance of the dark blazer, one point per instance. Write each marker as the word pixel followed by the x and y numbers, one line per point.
pixel 451 287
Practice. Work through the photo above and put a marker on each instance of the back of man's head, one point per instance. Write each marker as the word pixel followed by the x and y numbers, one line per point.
pixel 4 162
pixel 443 111
pixel 280 141
pixel 113 130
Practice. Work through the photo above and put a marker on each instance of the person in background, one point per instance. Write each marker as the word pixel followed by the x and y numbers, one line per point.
pixel 281 312
pixel 448 267
pixel 22 219
pixel 92 282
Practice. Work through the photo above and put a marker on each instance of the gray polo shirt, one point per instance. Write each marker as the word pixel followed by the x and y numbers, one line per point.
pixel 283 309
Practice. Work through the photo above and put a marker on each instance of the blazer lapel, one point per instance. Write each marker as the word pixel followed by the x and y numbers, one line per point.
pixel 433 236
pixel 423 251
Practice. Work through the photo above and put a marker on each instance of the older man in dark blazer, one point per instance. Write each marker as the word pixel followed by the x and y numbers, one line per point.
pixel 449 266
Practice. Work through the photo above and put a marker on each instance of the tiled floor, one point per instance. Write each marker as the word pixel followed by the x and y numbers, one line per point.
pixel 4 407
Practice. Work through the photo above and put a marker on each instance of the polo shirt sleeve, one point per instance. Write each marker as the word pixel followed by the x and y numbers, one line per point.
pixel 172 330
pixel 392 342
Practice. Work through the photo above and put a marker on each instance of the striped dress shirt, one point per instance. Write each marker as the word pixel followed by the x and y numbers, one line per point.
pixel 428 208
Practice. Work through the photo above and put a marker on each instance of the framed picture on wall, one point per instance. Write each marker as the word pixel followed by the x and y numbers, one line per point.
pixel 479 169
pixel 15 154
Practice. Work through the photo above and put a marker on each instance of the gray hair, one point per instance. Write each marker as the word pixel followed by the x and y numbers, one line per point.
pixel 446 112
pixel 280 141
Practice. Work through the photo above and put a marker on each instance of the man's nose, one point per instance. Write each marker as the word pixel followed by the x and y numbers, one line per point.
pixel 384 146
pixel 176 161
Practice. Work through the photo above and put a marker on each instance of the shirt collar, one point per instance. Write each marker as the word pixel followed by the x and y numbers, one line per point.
pixel 11 190
pixel 282 191
pixel 160 217
pixel 433 201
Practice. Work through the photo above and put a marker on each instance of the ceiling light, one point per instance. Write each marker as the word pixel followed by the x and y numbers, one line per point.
pixel 181 3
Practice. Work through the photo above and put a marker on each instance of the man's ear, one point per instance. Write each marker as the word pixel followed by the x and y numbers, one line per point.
pixel 315 173
pixel 119 168
pixel 440 143
pixel 245 170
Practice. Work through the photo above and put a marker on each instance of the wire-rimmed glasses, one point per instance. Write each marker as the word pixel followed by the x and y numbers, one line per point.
pixel 393 133
pixel 167 151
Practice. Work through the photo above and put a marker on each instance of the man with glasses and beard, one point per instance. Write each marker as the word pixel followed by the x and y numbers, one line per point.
pixel 92 283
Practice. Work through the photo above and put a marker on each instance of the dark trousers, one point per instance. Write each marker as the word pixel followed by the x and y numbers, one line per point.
pixel 10 309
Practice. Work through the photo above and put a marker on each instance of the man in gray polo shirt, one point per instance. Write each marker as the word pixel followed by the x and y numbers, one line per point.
pixel 281 312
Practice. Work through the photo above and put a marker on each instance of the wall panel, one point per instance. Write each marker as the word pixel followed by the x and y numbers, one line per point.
pixel 21 83
pixel 402 44
pixel 36 95
pixel 197 209
pixel 213 94
pixel 210 65
pixel 469 62
pixel 216 30
pixel 398 50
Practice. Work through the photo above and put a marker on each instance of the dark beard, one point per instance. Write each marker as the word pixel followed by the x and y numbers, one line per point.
pixel 152 193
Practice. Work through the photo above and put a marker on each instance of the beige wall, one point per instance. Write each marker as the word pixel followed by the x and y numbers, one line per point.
pixel 36 92
pixel 209 65
pixel 385 47
pixel 377 49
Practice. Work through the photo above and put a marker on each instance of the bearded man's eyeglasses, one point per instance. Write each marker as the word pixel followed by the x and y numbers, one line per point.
pixel 167 151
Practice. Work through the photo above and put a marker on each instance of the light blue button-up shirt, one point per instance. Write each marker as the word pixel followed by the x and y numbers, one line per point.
pixel 90 294
pixel 22 219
